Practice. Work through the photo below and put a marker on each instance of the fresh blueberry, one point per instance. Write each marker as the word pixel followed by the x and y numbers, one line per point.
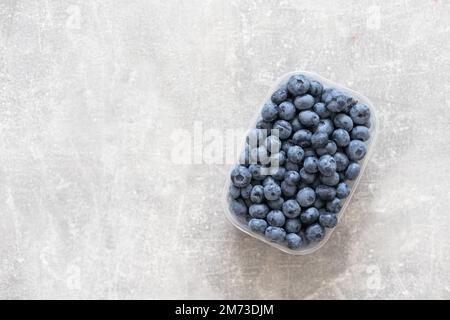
pixel 257 194
pixel 341 161
pixel 278 173
pixel 284 129
pixel 268 180
pixel 235 192
pixel 298 85
pixel 319 203
pixel 241 176
pixel 342 190
pixel 343 121
pixel 309 152
pixel 361 133
pixel 325 192
pixel 330 148
pixel 319 139
pixel 328 220
pixel 310 164
pixel 245 191
pixel 356 150
pixel 309 118
pixel 278 158
pixel 290 166
pixel 293 241
pixel 309 216
pixel 272 191
pixel 306 197
pixel 256 171
pixel 335 107
pixel 288 190
pixel 238 207
pixel 368 123
pixel 321 110
pixel 328 94
pixel 360 113
pixel 276 218
pixel 306 177
pixel 285 145
pixel 304 102
pixel 325 125
pixel 292 225
pixel 330 180
pixel 269 111
pixel 352 171
pixel 259 155
pixel 302 138
pixel 286 110
pixel 295 154
pixel 341 137
pixel 275 234
pixel 315 88
pixel 334 205
pixel 258 211
pixel 275 204
pixel 291 209
pixel 273 144
pixel 257 225
pixel 263 124
pixel 280 95
pixel 314 232
pixel 327 165
pixel 296 125
pixel 292 177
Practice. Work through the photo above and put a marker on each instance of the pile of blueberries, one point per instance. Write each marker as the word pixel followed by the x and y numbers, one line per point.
pixel 315 136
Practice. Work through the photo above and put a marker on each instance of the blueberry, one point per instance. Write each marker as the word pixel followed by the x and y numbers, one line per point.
pixel 245 191
pixel 272 191
pixel 278 158
pixel 321 110
pixel 327 165
pixel 315 88
pixel 296 125
pixel 314 232
pixel 293 241
pixel 360 113
pixel 330 180
pixel 310 164
pixel 356 150
pixel 330 148
pixel 334 106
pixel 268 180
pixel 278 173
pixel 298 85
pixel 257 225
pixel 292 225
pixel 291 209
pixel 263 124
pixel 295 154
pixel 306 197
pixel 258 211
pixel 302 138
pixel 275 204
pixel 325 192
pixel 343 121
pixel 352 171
pixel 292 177
pixel 319 203
pixel 334 205
pixel 284 129
pixel 259 155
pixel 234 191
pixel 341 137
pixel 276 218
pixel 309 118
pixel 342 190
pixel 269 111
pixel 341 161
pixel 257 194
pixel 309 216
pixel 256 172
pixel 368 123
pixel 306 177
pixel 325 125
pixel 328 94
pixel 290 166
pixel 319 139
pixel 309 152
pixel 304 102
pixel 285 145
pixel 273 144
pixel 241 176
pixel 279 95
pixel 286 110
pixel 288 190
pixel 361 133
pixel 275 234
pixel 328 220
pixel 238 207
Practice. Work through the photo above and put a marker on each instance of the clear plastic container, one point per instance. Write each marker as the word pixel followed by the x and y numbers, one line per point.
pixel 241 224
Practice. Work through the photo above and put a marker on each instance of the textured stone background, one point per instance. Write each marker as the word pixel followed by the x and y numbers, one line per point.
pixel 92 205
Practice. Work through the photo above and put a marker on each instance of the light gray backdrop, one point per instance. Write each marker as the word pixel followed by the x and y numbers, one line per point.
pixel 92 205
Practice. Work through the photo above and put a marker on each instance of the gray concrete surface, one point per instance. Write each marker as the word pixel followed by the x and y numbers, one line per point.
pixel 92 204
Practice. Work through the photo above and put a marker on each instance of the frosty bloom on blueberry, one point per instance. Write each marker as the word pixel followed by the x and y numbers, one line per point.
pixel 291 184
